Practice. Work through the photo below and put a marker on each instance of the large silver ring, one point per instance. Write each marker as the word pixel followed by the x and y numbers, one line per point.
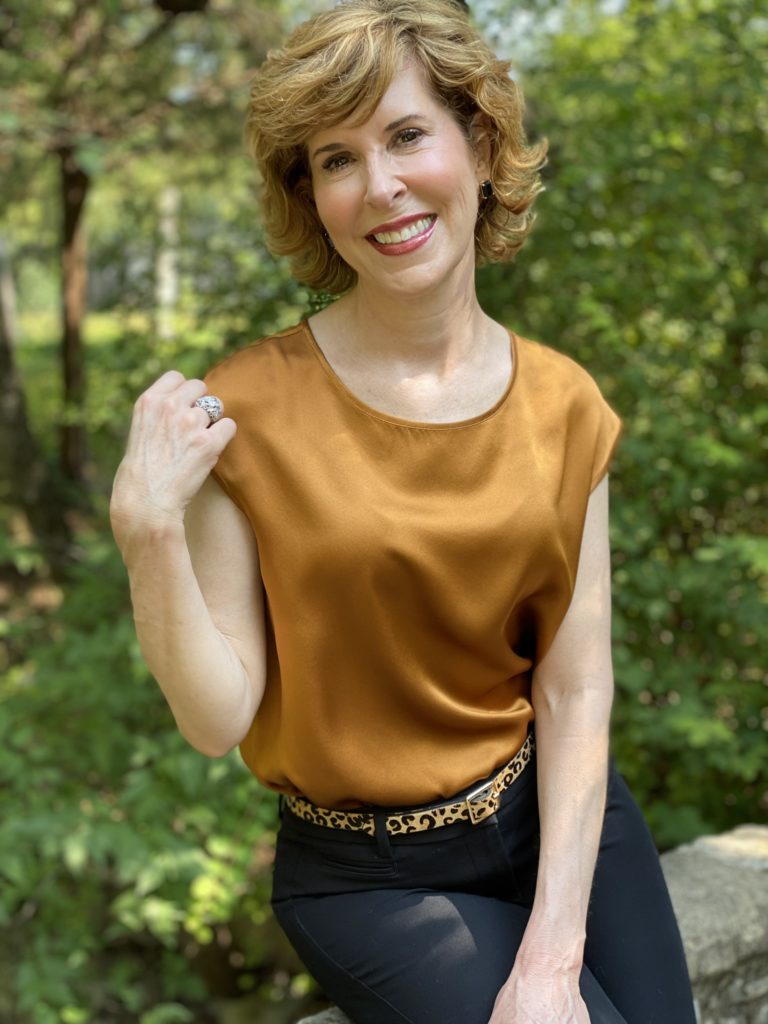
pixel 212 405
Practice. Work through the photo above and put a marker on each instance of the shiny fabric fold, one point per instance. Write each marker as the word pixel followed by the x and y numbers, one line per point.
pixel 415 573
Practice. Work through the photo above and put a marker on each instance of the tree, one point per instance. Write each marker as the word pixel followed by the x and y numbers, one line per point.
pixel 26 482
pixel 648 265
pixel 86 85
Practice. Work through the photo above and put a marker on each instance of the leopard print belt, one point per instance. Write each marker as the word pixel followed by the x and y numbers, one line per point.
pixel 477 805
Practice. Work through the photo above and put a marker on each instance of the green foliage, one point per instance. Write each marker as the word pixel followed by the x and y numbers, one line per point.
pixel 129 863
pixel 117 839
pixel 123 852
pixel 647 265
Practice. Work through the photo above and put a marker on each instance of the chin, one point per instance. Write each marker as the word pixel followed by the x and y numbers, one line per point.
pixel 411 276
pixel 421 280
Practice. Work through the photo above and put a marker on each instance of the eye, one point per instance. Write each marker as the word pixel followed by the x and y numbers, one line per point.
pixel 408 136
pixel 336 162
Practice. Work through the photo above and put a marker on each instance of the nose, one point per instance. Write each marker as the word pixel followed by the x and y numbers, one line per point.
pixel 383 184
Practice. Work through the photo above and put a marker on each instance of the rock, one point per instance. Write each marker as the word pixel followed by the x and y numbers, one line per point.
pixel 332 1016
pixel 719 888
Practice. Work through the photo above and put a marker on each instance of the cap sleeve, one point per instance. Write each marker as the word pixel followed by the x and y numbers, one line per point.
pixel 609 428
pixel 228 380
pixel 576 433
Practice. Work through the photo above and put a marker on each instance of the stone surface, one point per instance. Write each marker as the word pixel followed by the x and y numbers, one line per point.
pixel 719 888
pixel 327 1017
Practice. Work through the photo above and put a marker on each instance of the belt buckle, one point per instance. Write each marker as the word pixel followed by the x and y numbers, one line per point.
pixel 482 793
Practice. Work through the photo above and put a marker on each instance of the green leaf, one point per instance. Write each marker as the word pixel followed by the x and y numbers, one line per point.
pixel 167 1013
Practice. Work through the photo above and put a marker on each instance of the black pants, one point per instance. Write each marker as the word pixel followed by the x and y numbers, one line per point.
pixel 424 928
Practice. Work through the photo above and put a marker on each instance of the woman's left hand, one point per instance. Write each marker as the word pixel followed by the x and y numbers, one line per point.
pixel 540 997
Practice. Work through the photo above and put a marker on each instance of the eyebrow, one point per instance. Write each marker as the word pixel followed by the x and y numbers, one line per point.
pixel 334 147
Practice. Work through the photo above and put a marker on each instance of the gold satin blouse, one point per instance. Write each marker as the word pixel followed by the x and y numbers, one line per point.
pixel 414 573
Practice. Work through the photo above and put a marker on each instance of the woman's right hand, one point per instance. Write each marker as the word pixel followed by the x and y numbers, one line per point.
pixel 172 447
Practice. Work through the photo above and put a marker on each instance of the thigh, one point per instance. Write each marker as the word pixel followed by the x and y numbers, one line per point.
pixel 633 944
pixel 415 956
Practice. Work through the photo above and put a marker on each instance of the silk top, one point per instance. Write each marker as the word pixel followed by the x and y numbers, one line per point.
pixel 414 573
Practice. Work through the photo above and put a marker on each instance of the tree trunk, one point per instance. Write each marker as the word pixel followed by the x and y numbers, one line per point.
pixel 26 485
pixel 74 269
pixel 14 431
pixel 7 297
pixel 166 263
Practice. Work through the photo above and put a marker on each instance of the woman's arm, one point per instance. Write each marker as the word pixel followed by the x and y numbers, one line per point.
pixel 572 695
pixel 193 568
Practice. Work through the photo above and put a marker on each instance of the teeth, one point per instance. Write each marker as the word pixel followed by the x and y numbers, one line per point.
pixel 390 237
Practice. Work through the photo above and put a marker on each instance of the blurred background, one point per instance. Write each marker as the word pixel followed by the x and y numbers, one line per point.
pixel 134 872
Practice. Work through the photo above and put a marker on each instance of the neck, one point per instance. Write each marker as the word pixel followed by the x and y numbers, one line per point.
pixel 423 331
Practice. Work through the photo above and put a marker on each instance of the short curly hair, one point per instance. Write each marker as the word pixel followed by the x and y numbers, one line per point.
pixel 340 63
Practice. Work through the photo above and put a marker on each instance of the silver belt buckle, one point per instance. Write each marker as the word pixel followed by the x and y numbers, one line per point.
pixel 482 793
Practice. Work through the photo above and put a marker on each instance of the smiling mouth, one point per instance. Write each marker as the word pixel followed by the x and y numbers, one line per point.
pixel 418 227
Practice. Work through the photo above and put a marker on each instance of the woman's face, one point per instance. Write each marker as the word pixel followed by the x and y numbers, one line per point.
pixel 398 194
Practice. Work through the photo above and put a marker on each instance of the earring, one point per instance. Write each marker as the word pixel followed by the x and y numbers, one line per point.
pixel 329 241
pixel 486 190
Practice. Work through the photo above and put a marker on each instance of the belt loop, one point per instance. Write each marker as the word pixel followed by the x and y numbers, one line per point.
pixel 382 836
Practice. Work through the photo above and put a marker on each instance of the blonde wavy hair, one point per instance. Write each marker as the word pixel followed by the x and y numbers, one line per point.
pixel 340 63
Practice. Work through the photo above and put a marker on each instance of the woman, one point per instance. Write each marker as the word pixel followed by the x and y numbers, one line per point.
pixel 399 564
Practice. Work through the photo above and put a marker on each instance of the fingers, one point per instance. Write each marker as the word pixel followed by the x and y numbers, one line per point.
pixel 221 433
pixel 172 447
pixel 186 393
pixel 167 408
pixel 166 384
pixel 170 397
pixel 172 388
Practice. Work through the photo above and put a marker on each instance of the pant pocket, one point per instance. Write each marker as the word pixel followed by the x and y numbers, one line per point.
pixel 326 867
pixel 372 866
pixel 517 832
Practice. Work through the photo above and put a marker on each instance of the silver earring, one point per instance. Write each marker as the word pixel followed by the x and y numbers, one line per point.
pixel 486 190
pixel 329 241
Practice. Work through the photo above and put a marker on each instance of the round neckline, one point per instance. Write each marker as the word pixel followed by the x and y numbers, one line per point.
pixel 380 414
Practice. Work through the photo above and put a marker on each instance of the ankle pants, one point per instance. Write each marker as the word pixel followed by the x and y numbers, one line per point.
pixel 424 928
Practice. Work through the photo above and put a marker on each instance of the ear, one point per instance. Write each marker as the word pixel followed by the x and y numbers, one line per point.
pixel 480 130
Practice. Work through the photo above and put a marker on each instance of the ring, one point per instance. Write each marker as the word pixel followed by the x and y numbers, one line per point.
pixel 212 405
